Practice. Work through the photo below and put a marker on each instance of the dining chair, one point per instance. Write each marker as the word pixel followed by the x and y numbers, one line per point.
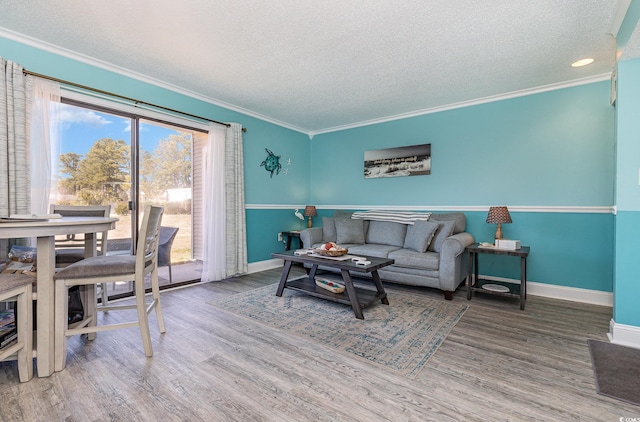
pixel 19 288
pixel 111 269
pixel 167 235
pixel 70 248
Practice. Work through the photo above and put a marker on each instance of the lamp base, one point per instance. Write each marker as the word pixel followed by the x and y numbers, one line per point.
pixel 310 223
pixel 498 232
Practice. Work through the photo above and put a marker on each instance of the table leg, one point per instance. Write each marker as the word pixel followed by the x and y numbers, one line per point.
pixel 89 295
pixel 523 281
pixel 379 287
pixel 283 278
pixel 45 305
pixel 351 291
pixel 469 272
pixel 473 269
pixel 288 245
pixel 312 272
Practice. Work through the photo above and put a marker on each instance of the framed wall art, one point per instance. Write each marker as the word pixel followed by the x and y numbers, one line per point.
pixel 413 160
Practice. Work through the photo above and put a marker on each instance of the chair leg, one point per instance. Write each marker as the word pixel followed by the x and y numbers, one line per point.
pixel 104 294
pixel 143 319
pixel 155 292
pixel 90 308
pixel 25 334
pixel 170 276
pixel 61 315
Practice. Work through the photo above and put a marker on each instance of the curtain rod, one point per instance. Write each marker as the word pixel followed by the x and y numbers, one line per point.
pixel 122 97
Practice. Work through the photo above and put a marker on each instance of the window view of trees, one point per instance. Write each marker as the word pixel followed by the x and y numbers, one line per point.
pixel 165 172
pixel 102 176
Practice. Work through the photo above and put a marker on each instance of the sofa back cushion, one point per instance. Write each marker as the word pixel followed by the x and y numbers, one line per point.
pixel 459 218
pixel 445 229
pixel 349 230
pixel 420 235
pixel 329 230
pixel 386 233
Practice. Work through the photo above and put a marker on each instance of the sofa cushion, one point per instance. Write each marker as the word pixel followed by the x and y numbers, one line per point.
pixel 372 249
pixel 413 259
pixel 419 235
pixel 445 229
pixel 386 233
pixel 458 217
pixel 329 230
pixel 349 230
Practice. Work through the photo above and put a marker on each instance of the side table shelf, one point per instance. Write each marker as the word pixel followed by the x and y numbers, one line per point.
pixel 476 284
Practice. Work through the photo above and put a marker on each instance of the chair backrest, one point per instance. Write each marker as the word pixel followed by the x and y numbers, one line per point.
pixel 147 248
pixel 167 235
pixel 77 241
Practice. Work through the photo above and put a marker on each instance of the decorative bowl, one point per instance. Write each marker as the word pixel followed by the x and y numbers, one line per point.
pixel 324 252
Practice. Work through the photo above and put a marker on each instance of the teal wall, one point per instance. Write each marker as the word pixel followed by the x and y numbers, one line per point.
pixel 552 149
pixel 291 188
pixel 627 195
pixel 548 149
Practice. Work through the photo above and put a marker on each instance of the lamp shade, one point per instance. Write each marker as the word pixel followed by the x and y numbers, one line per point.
pixel 498 215
pixel 310 211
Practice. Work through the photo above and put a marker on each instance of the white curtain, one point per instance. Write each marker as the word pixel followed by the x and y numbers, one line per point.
pixel 45 144
pixel 214 259
pixel 14 140
pixel 225 245
pixel 236 230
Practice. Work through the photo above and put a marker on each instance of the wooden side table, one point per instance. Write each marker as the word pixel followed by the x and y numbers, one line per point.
pixel 488 286
pixel 290 235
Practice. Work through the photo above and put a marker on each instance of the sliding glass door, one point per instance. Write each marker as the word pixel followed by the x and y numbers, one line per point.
pixel 111 158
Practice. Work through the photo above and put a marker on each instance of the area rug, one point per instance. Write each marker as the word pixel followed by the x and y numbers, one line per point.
pixel 400 337
pixel 616 370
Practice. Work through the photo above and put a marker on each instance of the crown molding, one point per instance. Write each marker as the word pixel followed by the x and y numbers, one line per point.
pixel 92 61
pixel 469 103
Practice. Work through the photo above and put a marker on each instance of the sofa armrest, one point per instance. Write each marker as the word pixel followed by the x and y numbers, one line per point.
pixel 453 260
pixel 310 237
pixel 454 245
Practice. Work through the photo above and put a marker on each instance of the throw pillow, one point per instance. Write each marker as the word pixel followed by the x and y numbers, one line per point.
pixel 445 230
pixel 328 230
pixel 420 235
pixel 349 230
pixel 386 233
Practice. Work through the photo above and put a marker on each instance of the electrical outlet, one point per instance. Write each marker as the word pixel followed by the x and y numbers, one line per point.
pixel 280 237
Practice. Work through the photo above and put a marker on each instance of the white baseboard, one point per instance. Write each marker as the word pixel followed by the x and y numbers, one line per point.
pixel 269 264
pixel 624 335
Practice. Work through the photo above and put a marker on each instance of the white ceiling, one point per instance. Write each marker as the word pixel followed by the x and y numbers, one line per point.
pixel 315 66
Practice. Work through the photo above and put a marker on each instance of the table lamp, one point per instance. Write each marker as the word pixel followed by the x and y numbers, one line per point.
pixel 499 216
pixel 310 211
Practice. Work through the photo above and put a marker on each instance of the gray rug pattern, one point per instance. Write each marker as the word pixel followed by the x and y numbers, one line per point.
pixel 616 370
pixel 400 337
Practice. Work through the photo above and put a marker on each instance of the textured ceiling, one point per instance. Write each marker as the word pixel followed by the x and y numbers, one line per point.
pixel 316 66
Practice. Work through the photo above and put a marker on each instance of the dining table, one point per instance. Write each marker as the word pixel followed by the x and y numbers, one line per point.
pixel 44 230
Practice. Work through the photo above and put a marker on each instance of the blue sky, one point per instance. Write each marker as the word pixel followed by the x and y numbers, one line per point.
pixel 81 127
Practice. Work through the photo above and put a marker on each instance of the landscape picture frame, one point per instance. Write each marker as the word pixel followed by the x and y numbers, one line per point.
pixel 411 160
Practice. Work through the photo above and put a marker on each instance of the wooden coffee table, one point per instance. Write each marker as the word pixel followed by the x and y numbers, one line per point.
pixel 357 297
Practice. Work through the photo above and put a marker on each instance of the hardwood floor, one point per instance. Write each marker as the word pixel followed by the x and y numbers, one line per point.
pixel 498 363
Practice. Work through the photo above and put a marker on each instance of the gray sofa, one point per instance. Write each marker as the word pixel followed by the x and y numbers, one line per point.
pixel 426 252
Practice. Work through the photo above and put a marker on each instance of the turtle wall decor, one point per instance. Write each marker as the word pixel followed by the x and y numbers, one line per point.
pixel 271 163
